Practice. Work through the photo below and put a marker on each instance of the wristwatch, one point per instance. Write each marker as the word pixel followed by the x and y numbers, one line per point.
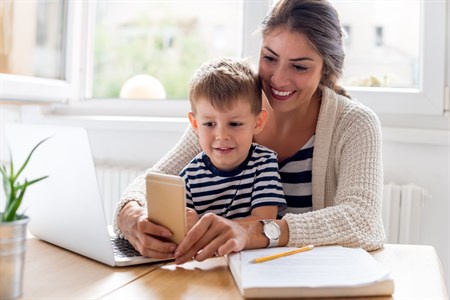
pixel 272 232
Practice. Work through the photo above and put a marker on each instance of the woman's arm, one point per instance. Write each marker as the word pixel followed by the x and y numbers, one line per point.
pixel 353 187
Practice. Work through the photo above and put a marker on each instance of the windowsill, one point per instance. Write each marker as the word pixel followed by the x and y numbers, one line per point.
pixel 131 123
pixel 170 116
pixel 120 107
pixel 416 136
pixel 112 117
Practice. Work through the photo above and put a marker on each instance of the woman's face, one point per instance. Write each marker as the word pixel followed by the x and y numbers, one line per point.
pixel 290 69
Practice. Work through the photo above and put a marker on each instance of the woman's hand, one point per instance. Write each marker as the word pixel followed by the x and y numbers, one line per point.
pixel 211 235
pixel 145 236
pixel 191 218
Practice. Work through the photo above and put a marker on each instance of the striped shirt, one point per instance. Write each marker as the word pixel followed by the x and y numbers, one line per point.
pixel 233 194
pixel 296 177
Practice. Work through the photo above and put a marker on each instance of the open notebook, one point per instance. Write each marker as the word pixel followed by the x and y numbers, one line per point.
pixel 331 271
pixel 66 209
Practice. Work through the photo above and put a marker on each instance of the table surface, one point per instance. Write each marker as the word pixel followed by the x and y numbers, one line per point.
pixel 53 272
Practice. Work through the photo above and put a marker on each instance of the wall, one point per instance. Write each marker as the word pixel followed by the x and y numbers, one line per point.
pixel 420 160
pixel 429 167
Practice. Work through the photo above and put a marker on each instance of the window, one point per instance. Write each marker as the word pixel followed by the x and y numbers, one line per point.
pixel 395 63
pixel 33 53
pixel 379 36
pixel 384 51
pixel 155 46
pixel 35 48
pixel 347 35
pixel 395 59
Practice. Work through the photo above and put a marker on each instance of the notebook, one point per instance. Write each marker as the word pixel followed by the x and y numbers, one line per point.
pixel 329 271
pixel 66 209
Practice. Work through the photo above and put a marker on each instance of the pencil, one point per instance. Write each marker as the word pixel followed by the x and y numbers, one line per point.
pixel 286 253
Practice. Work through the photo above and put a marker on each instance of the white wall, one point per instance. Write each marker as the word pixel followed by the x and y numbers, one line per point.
pixel 8 114
pixel 429 167
pixel 419 160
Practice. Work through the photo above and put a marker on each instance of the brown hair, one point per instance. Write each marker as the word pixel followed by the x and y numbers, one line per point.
pixel 224 81
pixel 318 20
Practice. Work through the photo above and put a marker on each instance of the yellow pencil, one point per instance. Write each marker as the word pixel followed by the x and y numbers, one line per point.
pixel 278 255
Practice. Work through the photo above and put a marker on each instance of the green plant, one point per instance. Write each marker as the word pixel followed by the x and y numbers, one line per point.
pixel 14 191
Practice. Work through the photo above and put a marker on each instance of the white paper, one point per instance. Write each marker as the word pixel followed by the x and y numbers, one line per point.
pixel 330 266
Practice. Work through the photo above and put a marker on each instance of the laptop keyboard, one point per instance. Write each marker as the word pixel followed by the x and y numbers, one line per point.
pixel 123 248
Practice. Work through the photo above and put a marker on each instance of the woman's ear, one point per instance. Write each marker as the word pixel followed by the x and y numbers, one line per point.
pixel 261 120
pixel 193 121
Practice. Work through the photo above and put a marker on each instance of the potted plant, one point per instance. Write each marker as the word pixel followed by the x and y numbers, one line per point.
pixel 13 229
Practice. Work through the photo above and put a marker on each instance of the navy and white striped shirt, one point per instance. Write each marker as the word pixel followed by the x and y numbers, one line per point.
pixel 233 194
pixel 296 177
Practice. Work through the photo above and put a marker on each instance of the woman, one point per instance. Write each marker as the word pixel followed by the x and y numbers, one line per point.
pixel 329 151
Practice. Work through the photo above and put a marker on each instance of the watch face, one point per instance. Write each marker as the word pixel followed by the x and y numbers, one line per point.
pixel 272 230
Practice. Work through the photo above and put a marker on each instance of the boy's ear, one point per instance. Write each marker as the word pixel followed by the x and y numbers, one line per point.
pixel 261 120
pixel 193 121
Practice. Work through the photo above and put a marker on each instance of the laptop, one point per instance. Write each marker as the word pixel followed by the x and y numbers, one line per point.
pixel 66 209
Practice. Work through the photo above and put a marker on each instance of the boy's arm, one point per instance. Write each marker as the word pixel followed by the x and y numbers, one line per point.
pixel 260 213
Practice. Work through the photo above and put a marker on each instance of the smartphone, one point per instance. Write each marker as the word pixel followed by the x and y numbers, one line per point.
pixel 166 203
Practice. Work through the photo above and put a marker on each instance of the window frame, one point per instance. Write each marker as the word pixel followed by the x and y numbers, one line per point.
pixel 25 88
pixel 253 13
pixel 429 99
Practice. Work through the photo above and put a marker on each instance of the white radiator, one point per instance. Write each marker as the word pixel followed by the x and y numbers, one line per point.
pixel 402 208
pixel 402 204
pixel 112 180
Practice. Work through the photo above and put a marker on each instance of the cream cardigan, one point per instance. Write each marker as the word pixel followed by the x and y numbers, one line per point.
pixel 347 178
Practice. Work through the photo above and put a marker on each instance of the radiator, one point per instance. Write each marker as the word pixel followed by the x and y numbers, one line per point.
pixel 402 208
pixel 402 204
pixel 112 181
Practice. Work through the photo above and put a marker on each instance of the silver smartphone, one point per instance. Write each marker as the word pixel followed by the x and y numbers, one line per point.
pixel 166 203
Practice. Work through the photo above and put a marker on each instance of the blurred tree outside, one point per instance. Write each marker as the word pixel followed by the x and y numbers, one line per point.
pixel 163 45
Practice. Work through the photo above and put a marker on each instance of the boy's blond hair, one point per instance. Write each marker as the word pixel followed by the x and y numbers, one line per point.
pixel 223 81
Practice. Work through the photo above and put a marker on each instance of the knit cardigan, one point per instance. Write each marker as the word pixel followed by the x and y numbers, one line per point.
pixel 347 178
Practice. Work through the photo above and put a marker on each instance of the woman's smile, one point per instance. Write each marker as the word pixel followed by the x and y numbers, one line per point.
pixel 281 95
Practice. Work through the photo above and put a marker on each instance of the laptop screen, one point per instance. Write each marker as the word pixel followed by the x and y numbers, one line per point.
pixel 66 208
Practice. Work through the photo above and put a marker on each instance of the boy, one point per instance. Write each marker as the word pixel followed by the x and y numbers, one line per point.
pixel 232 177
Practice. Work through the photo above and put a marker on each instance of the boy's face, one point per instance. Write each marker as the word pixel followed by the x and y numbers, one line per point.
pixel 226 136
